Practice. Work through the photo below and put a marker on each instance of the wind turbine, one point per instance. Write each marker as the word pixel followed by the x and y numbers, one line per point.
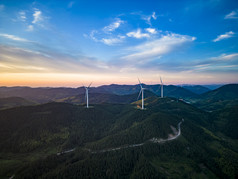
pixel 142 94
pixel 162 92
pixel 86 94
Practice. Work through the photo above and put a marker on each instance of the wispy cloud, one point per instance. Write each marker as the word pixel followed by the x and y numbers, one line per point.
pixel 113 26
pixel 232 15
pixel 21 60
pixel 1 7
pixel 155 48
pixel 226 57
pixel 105 34
pixel 138 34
pixel 71 3
pixel 148 18
pixel 37 15
pixel 224 36
pixel 113 41
pixel 30 28
pixel 22 16
pixel 15 38
pixel 92 35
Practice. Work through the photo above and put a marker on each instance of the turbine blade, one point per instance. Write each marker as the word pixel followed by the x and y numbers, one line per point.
pixel 139 95
pixel 161 80
pixel 140 82
pixel 90 84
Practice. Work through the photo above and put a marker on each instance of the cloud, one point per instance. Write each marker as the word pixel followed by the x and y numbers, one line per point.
pixel 113 41
pixel 37 15
pixel 225 57
pixel 151 30
pixel 155 48
pixel 224 36
pixel 21 60
pixel 154 16
pixel 148 18
pixel 12 37
pixel 71 3
pixel 22 16
pixel 92 35
pixel 232 15
pixel 30 28
pixel 113 26
pixel 137 34
pixel 1 7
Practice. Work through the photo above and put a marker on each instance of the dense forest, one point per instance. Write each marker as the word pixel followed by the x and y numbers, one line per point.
pixel 65 140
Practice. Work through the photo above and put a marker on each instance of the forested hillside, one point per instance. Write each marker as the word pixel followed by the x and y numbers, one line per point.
pixel 32 136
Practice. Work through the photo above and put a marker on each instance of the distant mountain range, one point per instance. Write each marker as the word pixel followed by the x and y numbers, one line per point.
pixel 99 98
pixel 225 96
pixel 198 89
pixel 42 95
pixel 200 96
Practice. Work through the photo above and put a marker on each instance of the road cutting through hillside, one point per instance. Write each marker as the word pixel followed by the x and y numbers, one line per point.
pixel 153 140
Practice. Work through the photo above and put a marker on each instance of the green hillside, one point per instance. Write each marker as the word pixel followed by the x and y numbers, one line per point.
pixel 14 102
pixel 197 89
pixel 99 98
pixel 226 121
pixel 226 92
pixel 31 137
pixel 223 97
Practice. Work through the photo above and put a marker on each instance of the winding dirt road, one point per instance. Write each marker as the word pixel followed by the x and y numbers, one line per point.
pixel 153 140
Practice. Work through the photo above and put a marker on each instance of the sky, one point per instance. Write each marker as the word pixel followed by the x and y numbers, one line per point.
pixel 72 43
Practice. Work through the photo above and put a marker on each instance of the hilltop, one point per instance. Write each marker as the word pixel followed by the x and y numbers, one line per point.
pixel 225 96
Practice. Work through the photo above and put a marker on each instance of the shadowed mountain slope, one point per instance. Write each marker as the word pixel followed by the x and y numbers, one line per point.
pixel 31 136
pixel 14 102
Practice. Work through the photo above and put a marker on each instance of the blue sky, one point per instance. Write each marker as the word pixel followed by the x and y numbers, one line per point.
pixel 66 43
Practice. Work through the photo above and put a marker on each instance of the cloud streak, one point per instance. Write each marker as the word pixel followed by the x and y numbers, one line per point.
pixel 15 38
pixel 22 16
pixel 138 34
pixel 113 26
pixel 224 36
pixel 155 48
pixel 21 60
pixel 232 15
pixel 113 41
pixel 225 57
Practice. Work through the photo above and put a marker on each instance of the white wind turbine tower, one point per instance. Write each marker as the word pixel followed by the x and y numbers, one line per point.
pixel 142 94
pixel 161 85
pixel 86 94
